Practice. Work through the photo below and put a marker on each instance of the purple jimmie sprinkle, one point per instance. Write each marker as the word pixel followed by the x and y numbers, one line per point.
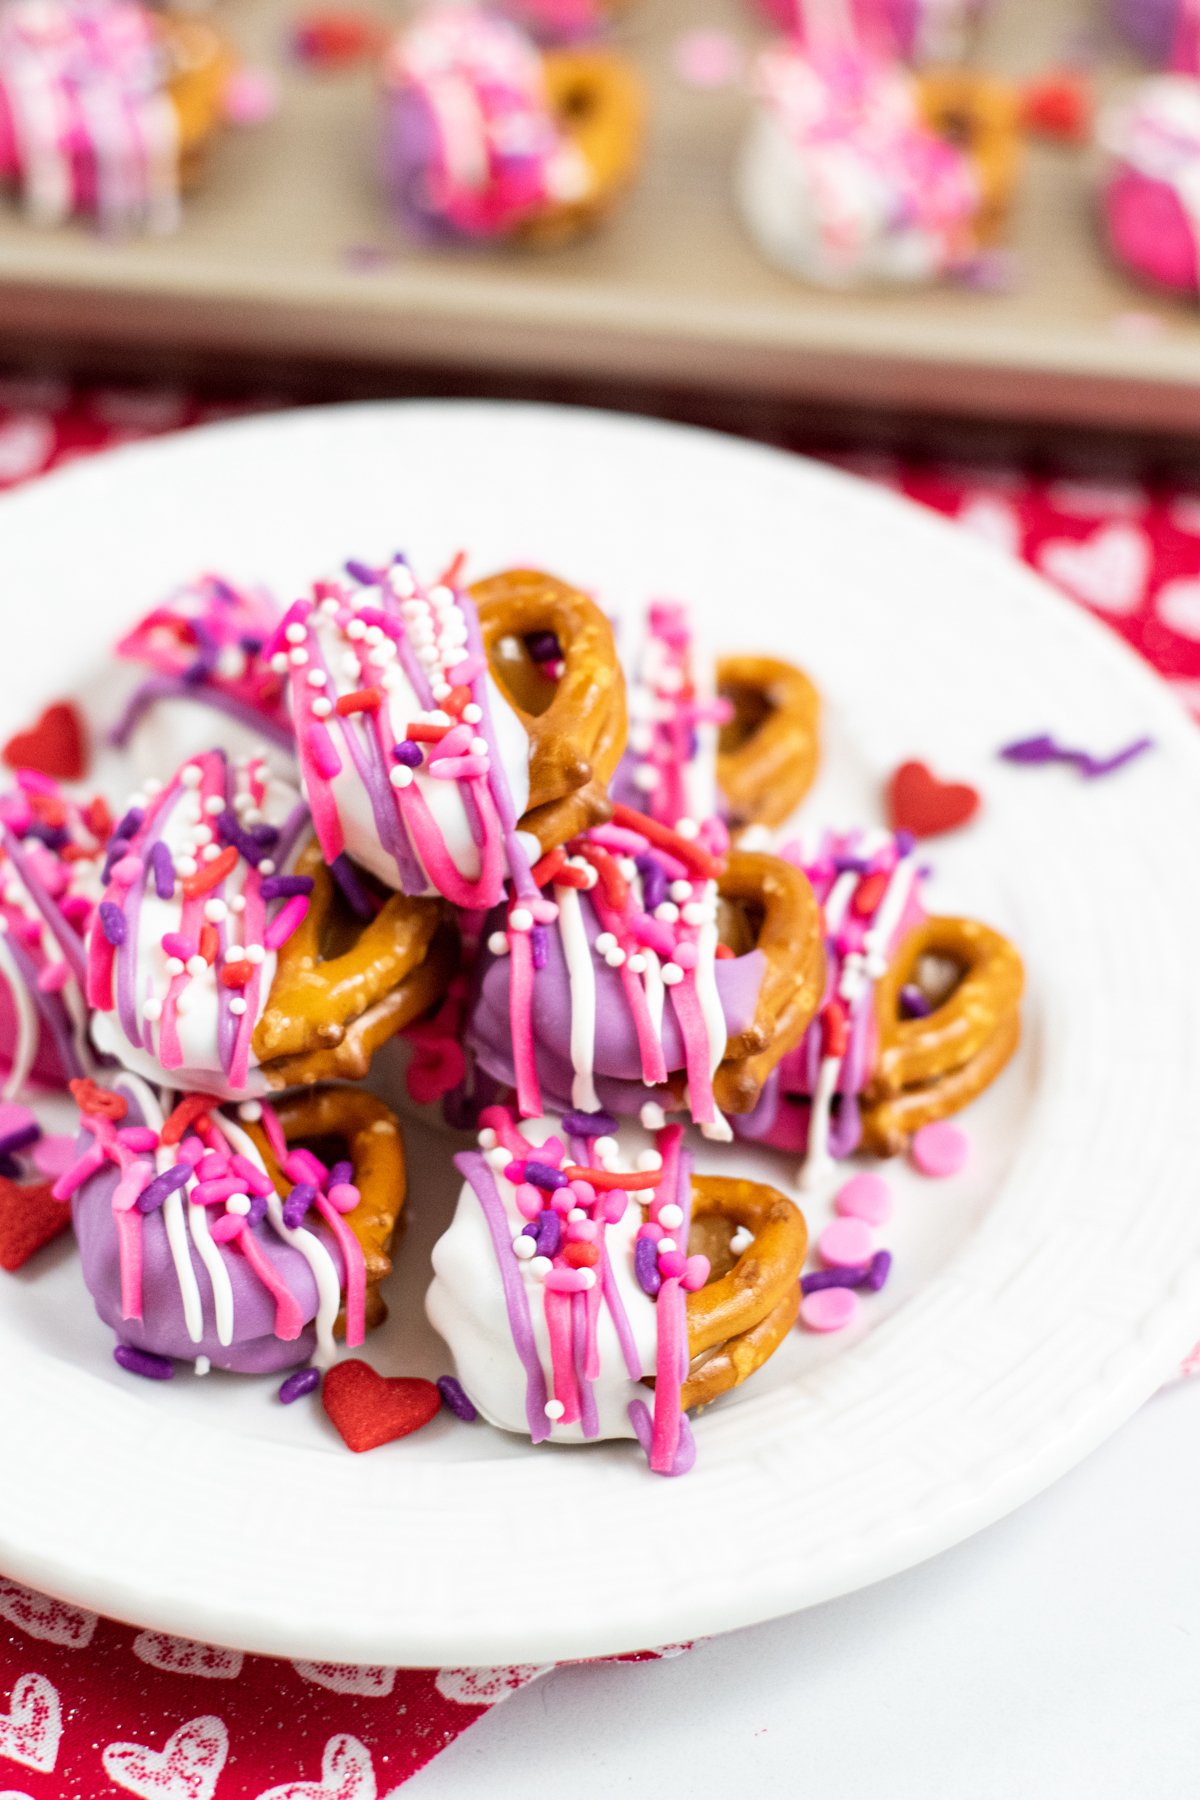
pixel 113 922
pixel 230 830
pixel 341 1174
pixel 304 1381
pixel 1093 766
pixel 913 1003
pixel 544 647
pixel 280 887
pixel 880 1269
pixel 589 1124
pixel 1032 750
pixel 266 835
pixel 156 1191
pixel 543 1176
pixel 163 870
pixel 904 841
pixel 645 1266
pixel 297 1204
pixel 539 948
pixel 132 823
pixel 258 1210
pixel 848 865
pixel 10 1168
pixel 118 847
pixel 53 836
pixel 549 1232
pixel 654 880
pixel 361 572
pixel 143 1363
pixel 408 753
pixel 20 1139
pixel 355 893
pixel 454 1398
pixel 834 1278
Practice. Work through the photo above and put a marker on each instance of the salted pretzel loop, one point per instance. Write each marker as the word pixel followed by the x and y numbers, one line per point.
pixel 599 103
pixel 739 1319
pixel 768 752
pixel 328 1014
pixel 200 65
pixel 983 117
pixel 370 1135
pixel 786 927
pixel 576 725
pixel 927 1068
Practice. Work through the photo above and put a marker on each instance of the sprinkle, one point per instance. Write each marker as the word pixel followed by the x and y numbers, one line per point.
pixel 454 1398
pixel 113 922
pixel 820 1279
pixel 302 1196
pixel 356 895
pixel 544 1176
pixel 645 1265
pixel 144 1363
pixel 183 1117
pixel 408 752
pixel 304 1381
pixel 278 887
pixel 940 1148
pixel 460 768
pixel 368 699
pixel 914 1004
pixel 20 1138
pixel 287 920
pixel 881 1268
pixel 214 872
pixel 520 919
pixel 554 1409
pixel 589 1124
pixel 158 1190
pixel 1043 748
pixel 829 1309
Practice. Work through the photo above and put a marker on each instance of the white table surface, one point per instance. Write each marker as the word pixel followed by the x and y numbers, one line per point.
pixel 1056 1655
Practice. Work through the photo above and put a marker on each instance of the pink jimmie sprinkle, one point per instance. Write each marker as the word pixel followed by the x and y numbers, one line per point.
pixel 829 1309
pixel 940 1149
pixel 288 919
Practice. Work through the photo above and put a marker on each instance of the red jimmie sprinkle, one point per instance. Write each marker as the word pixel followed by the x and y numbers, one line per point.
pixel 449 577
pixel 687 850
pixel 190 1109
pixel 868 895
pixel 835 1027
pixel 581 1256
pixel 210 943
pixel 368 699
pixel 456 699
pixel 631 1180
pixel 724 953
pixel 547 869
pixel 100 1102
pixel 420 733
pixel 236 974
pixel 210 875
pixel 613 884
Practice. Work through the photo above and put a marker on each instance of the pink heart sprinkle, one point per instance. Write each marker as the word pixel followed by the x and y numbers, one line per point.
pixel 940 1149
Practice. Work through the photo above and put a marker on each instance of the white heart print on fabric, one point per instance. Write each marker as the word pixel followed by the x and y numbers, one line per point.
pixel 188 1766
pixel 347 1773
pixel 26 445
pixel 52 1621
pixel 31 1730
pixel 1108 570
pixel 183 1656
pixel 1178 605
pixel 370 1680
pixel 994 520
pixel 483 1687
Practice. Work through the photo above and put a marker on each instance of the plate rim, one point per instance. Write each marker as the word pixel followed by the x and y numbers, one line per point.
pixel 1170 1327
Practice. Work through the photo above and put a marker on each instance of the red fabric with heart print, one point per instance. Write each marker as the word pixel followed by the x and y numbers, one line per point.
pixel 91 1710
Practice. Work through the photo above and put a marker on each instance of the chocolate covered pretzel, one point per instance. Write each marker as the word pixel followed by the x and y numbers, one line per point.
pixel 573 1277
pixel 422 754
pixel 224 956
pixel 242 1239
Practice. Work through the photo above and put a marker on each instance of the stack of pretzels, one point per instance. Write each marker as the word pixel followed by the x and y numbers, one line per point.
pixel 461 823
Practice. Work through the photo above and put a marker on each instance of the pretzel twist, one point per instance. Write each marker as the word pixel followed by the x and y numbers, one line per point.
pixel 327 1015
pixel 200 65
pixel 739 1319
pixel 577 725
pixel 370 1134
pixel 768 751
pixel 599 103
pixel 983 117
pixel 927 1068
pixel 788 932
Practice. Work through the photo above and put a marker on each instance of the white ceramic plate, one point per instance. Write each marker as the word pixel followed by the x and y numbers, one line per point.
pixel 1037 1299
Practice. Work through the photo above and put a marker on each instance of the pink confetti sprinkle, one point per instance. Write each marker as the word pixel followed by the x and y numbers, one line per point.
pixel 707 59
pixel 866 1197
pixel 830 1309
pixel 940 1149
pixel 251 97
pixel 846 1244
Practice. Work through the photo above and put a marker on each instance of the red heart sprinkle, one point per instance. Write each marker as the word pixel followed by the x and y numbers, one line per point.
pixel 370 1409
pixel 918 802
pixel 29 1218
pixel 56 745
